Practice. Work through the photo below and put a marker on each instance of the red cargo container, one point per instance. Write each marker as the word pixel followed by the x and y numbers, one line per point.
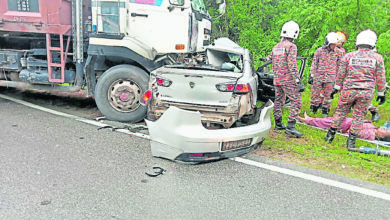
pixel 40 24
pixel 36 16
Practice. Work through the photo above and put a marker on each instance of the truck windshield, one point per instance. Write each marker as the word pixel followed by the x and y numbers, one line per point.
pixel 198 5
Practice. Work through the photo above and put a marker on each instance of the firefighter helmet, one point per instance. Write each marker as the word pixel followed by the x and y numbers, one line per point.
pixel 332 38
pixel 366 37
pixel 343 36
pixel 290 29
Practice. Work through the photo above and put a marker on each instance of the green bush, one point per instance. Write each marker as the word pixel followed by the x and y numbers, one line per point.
pixel 256 24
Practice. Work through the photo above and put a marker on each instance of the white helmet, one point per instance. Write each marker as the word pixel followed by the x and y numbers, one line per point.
pixel 332 38
pixel 366 37
pixel 290 29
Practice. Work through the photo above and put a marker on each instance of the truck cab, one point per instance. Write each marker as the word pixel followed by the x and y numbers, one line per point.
pixel 107 47
pixel 151 28
pixel 130 39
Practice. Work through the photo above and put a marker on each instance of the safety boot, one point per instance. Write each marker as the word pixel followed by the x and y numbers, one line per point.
pixel 325 112
pixel 291 130
pixel 314 108
pixel 279 124
pixel 330 135
pixel 351 140
pixel 375 116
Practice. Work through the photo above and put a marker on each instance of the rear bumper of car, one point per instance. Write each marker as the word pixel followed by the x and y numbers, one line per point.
pixel 180 135
pixel 187 157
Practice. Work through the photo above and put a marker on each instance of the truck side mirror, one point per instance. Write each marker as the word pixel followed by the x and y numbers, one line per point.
pixel 222 8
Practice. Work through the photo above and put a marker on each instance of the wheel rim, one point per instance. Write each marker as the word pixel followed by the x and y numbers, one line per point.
pixel 124 95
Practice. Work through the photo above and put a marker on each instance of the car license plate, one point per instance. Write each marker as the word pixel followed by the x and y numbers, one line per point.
pixel 231 145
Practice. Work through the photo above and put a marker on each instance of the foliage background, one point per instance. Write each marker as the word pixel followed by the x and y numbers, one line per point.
pixel 256 24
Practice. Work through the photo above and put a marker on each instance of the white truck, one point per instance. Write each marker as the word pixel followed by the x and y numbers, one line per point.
pixel 116 44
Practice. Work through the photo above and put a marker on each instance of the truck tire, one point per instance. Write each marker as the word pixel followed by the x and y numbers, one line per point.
pixel 118 92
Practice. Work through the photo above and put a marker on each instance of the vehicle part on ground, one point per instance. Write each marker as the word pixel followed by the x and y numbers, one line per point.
pixel 266 89
pixel 180 135
pixel 157 172
pixel 118 93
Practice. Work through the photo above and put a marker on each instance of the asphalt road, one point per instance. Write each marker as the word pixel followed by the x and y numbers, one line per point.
pixel 53 167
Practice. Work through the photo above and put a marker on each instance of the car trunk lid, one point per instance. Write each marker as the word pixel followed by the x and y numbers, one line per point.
pixel 196 86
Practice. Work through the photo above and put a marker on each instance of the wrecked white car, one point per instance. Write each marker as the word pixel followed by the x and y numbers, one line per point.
pixel 207 110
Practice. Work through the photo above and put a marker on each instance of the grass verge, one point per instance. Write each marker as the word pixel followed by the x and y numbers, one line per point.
pixel 312 151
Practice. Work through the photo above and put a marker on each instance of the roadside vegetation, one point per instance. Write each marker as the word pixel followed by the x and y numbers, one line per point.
pixel 256 25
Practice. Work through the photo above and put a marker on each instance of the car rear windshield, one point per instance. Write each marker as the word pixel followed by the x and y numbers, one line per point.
pixel 226 67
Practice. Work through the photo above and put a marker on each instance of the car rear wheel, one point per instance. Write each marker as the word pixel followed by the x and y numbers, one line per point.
pixel 118 93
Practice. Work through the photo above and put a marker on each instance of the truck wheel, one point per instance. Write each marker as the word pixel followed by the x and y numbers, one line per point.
pixel 118 93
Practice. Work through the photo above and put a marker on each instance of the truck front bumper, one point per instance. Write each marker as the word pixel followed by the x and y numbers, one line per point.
pixel 180 135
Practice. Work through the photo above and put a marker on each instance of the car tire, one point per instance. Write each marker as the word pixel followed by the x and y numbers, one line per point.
pixel 118 92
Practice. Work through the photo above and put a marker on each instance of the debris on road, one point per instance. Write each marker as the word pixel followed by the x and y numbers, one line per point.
pixel 100 118
pixel 157 172
pixel 45 202
pixel 104 127
pixel 131 128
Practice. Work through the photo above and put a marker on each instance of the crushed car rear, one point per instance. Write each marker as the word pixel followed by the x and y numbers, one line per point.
pixel 207 110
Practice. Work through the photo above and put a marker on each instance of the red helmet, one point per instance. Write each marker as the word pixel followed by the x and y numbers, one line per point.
pixel 343 35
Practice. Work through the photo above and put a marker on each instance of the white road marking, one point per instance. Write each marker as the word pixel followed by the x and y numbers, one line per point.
pixel 316 179
pixel 87 121
pixel 285 171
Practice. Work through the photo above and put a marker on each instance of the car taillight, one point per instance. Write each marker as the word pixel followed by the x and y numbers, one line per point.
pixel 146 97
pixel 230 87
pixel 225 87
pixel 163 82
pixel 242 88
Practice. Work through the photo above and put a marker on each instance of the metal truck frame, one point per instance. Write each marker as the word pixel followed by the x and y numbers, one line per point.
pixel 107 47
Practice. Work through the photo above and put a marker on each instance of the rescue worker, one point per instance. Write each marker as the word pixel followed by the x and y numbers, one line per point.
pixel 286 77
pixel 324 68
pixel 343 37
pixel 359 71
pixel 374 112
